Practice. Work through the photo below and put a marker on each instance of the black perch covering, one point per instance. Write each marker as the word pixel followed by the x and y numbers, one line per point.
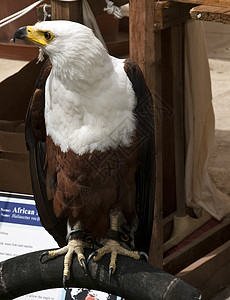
pixel 133 280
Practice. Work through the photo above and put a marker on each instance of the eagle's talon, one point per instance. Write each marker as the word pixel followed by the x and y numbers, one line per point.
pixel 94 253
pixel 45 253
pixel 83 265
pixel 111 271
pixel 143 256
pixel 64 281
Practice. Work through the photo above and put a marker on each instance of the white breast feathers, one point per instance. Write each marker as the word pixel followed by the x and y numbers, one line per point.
pixel 88 115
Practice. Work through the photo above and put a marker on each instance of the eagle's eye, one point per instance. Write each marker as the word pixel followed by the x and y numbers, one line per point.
pixel 47 35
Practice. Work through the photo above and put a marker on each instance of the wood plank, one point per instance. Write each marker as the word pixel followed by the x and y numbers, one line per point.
pixel 16 175
pixel 199 247
pixel 145 49
pixel 211 13
pixel 12 142
pixel 210 273
pixel 222 3
pixel 15 51
pixel 169 14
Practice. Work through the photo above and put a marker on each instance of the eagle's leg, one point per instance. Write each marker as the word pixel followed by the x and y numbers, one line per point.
pixel 75 245
pixel 114 247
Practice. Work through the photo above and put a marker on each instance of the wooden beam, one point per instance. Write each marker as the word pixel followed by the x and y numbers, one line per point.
pixel 15 51
pixel 168 13
pixel 168 154
pixel 142 47
pixel 210 273
pixel 211 13
pixel 199 247
pixel 145 49
pixel 62 10
pixel 222 3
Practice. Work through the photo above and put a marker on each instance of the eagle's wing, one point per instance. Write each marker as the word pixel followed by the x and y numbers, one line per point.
pixel 36 143
pixel 145 177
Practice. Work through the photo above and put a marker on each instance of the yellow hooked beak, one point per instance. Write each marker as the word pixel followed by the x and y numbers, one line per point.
pixel 32 34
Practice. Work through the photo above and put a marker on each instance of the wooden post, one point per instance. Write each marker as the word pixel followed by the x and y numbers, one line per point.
pixel 67 10
pixel 168 161
pixel 145 49
pixel 178 100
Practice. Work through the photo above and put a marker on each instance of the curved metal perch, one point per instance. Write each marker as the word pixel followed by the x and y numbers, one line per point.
pixel 133 280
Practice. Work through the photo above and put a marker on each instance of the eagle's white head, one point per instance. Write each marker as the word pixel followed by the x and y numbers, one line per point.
pixel 69 45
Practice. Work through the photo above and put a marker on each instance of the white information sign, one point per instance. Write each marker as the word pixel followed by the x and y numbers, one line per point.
pixel 21 232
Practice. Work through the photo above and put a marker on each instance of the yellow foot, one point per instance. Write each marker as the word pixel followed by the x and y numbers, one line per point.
pixel 74 246
pixel 113 247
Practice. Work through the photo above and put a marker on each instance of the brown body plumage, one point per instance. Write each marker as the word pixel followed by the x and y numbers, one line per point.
pixel 88 187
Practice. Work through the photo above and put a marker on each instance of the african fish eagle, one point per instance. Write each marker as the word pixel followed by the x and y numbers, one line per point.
pixel 90 135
